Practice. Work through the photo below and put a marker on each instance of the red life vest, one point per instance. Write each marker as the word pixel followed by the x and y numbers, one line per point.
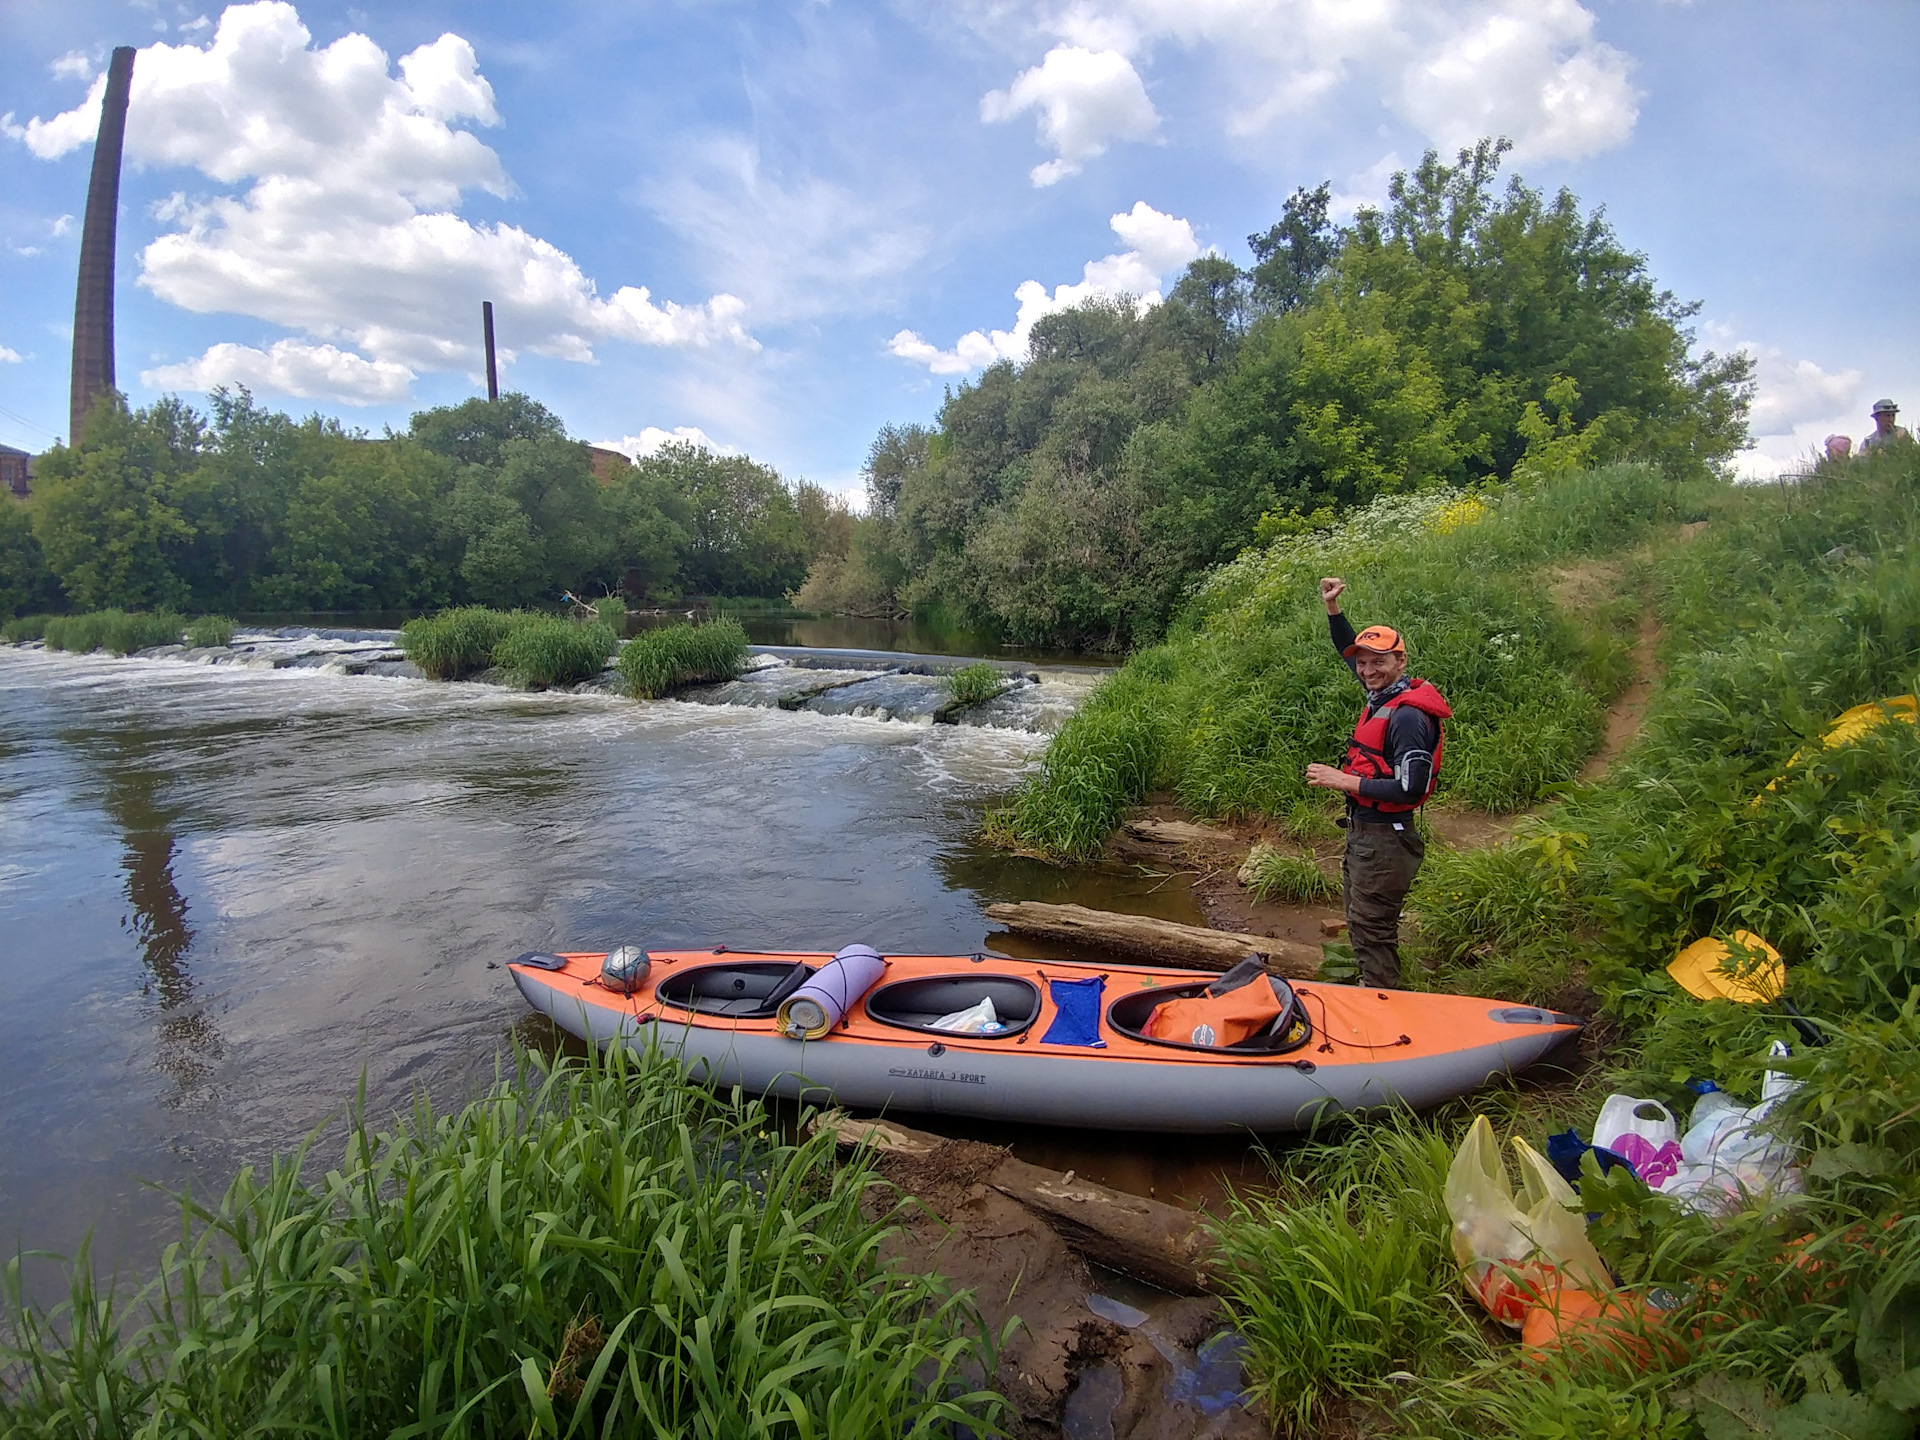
pixel 1367 750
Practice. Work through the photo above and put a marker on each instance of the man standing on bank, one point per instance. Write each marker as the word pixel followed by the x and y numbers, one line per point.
pixel 1392 762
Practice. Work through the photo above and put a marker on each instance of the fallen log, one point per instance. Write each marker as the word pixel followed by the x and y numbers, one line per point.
pixel 1179 832
pixel 1160 942
pixel 1161 1244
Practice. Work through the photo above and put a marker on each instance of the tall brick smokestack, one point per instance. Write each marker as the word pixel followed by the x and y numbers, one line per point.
pixel 93 298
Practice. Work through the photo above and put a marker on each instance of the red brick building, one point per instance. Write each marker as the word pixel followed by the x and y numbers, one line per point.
pixel 16 471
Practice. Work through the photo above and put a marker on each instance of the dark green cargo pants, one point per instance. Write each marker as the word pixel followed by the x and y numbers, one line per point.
pixel 1376 872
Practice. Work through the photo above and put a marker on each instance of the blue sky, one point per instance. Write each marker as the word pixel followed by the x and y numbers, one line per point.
pixel 779 226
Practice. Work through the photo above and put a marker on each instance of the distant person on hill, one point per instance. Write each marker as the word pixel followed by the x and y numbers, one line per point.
pixel 1885 432
pixel 1839 447
pixel 1392 762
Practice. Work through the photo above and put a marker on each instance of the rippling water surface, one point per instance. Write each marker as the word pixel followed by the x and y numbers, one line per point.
pixel 226 893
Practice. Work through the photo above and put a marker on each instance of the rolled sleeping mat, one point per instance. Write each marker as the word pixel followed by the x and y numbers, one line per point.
pixel 817 1006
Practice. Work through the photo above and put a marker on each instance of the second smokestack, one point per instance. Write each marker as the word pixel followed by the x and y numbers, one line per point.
pixel 486 326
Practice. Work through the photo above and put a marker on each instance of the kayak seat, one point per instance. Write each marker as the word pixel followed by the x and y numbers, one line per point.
pixel 1130 1014
pixel 916 1004
pixel 743 990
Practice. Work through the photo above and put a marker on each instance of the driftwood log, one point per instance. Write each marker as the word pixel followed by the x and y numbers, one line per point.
pixel 1161 942
pixel 1161 1244
pixel 1180 832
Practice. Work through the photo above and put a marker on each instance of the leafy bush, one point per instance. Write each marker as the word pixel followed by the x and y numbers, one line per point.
pixel 24 627
pixel 543 650
pixel 116 631
pixel 1247 692
pixel 975 684
pixel 455 643
pixel 659 662
pixel 612 611
pixel 600 1250
pixel 1274 874
pixel 206 631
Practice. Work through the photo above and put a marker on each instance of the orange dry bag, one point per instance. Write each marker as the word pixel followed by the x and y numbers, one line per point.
pixel 1216 1020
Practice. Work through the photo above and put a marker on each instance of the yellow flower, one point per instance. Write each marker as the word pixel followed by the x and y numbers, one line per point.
pixel 1467 510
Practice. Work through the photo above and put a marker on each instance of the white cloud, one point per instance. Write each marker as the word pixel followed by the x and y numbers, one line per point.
pixel 287 367
pixel 1532 70
pixel 1086 98
pixel 1527 69
pixel 1796 405
pixel 797 247
pixel 652 439
pixel 1162 244
pixel 75 64
pixel 342 225
pixel 50 139
pixel 9 356
pixel 62 225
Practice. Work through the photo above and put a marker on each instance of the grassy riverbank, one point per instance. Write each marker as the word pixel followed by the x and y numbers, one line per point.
pixel 1800 1316
pixel 1246 692
pixel 585 1250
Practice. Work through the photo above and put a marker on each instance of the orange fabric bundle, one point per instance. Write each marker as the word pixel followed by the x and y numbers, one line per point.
pixel 1618 1323
pixel 1216 1019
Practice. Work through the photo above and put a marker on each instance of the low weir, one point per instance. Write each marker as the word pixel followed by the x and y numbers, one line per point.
pixel 860 684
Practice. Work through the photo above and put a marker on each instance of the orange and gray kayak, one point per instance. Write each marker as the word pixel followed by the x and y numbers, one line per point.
pixel 1031 1041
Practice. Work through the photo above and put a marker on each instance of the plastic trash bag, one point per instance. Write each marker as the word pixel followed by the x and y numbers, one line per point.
pixel 1729 1156
pixel 1514 1250
pixel 1643 1133
pixel 979 1019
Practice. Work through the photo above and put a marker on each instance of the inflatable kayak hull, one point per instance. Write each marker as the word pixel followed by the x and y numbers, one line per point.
pixel 1363 1049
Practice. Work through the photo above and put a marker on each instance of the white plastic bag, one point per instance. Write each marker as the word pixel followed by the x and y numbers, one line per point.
pixel 1729 1157
pixel 1511 1252
pixel 1624 1115
pixel 1641 1132
pixel 979 1019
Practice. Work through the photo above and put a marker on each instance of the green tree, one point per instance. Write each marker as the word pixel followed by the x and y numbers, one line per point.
pixel 477 432
pixel 744 535
pixel 27 587
pixel 104 512
pixel 1293 253
pixel 361 535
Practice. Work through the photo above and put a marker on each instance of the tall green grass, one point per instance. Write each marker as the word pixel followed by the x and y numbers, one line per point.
pixel 1344 1277
pixel 1271 873
pixel 1246 691
pixel 455 643
pixel 597 1250
pixel 120 632
pixel 22 628
pixel 658 662
pixel 209 630
pixel 545 650
pixel 975 684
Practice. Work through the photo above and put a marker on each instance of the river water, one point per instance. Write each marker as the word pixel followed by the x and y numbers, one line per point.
pixel 227 892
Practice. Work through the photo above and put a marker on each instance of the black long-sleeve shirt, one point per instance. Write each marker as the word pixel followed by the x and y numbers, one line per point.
pixel 1411 736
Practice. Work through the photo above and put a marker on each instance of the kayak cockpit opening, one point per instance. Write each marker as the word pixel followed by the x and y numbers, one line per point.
pixel 987 1007
pixel 741 990
pixel 1132 1015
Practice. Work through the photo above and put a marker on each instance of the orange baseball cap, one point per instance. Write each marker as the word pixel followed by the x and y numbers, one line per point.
pixel 1382 638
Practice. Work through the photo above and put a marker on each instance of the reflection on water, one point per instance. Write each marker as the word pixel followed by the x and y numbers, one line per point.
pixel 188 1042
